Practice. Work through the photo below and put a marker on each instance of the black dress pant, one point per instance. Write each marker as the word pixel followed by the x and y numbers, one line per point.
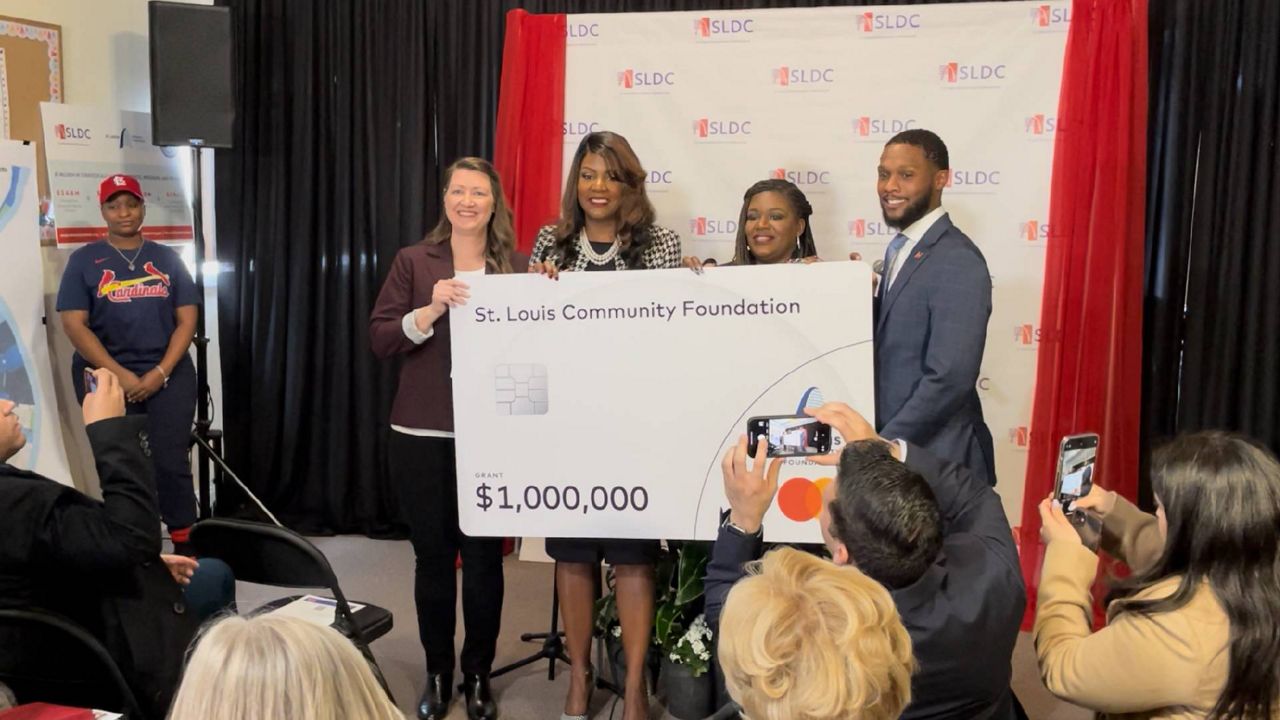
pixel 424 471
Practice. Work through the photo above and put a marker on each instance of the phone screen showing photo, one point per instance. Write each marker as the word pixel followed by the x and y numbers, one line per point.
pixel 791 436
pixel 1076 467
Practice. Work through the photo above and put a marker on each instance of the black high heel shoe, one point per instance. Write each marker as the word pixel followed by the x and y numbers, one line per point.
pixel 434 704
pixel 480 704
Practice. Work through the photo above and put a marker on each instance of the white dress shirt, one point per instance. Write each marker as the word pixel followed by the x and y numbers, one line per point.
pixel 914 232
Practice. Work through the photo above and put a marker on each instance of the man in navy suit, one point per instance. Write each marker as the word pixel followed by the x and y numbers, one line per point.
pixel 926 529
pixel 932 304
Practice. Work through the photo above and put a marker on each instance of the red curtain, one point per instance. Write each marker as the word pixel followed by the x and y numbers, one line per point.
pixel 529 144
pixel 1089 370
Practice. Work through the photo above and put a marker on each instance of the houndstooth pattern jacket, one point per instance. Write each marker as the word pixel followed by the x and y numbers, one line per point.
pixel 663 251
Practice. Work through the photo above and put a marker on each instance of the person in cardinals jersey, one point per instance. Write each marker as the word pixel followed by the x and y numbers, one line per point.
pixel 129 305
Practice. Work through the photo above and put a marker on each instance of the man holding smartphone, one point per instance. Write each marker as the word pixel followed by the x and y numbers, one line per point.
pixel 933 534
pixel 95 562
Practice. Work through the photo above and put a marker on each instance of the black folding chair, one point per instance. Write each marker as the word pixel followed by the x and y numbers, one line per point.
pixel 272 555
pixel 61 663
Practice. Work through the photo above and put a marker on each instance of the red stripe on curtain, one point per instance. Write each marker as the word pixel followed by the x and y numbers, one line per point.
pixel 1089 370
pixel 529 144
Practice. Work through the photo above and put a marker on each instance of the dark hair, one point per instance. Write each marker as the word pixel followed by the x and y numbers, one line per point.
pixel 1221 498
pixel 500 234
pixel 935 151
pixel 635 212
pixel 885 514
pixel 799 204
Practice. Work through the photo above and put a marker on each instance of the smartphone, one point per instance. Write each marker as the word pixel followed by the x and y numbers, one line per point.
pixel 790 435
pixel 1077 458
pixel 90 381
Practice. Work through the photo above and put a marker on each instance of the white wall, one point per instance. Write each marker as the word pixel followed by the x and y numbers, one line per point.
pixel 106 63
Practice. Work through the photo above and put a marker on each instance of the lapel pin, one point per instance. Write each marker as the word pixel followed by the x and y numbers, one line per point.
pixel 919 255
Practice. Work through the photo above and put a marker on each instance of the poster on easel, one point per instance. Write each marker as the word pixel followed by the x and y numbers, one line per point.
pixel 84 145
pixel 25 372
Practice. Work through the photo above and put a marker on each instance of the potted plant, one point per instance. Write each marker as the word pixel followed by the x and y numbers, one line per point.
pixel 682 635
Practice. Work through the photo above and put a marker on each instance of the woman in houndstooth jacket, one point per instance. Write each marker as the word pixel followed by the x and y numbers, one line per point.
pixel 606 223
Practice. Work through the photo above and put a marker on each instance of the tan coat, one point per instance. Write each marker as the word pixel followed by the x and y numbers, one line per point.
pixel 1170 665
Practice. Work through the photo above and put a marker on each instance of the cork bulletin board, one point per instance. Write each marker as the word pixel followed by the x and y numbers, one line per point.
pixel 30 73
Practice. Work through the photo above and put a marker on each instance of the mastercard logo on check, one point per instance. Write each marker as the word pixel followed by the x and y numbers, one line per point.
pixel 800 499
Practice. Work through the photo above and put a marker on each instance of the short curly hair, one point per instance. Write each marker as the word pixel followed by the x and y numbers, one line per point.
pixel 803 638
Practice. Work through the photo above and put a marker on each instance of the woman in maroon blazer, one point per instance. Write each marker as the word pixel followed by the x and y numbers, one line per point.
pixel 411 319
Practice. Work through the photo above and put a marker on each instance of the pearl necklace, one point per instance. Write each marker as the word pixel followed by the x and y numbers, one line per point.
pixel 594 257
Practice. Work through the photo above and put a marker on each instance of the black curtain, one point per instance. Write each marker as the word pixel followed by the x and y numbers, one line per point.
pixel 332 164
pixel 1212 330
pixel 348 111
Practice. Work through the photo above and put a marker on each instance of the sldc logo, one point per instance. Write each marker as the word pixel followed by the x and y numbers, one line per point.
pixel 787 76
pixel 866 127
pixel 708 28
pixel 646 79
pixel 704 226
pixel 802 178
pixel 863 228
pixel 581 31
pixel 888 23
pixel 956 74
pixel 973 179
pixel 68 132
pixel 1020 437
pixel 1033 231
pixel 1040 124
pixel 710 129
pixel 1026 335
pixel 659 181
pixel 1050 18
pixel 579 128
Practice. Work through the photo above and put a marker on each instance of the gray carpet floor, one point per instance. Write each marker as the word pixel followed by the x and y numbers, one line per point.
pixel 380 572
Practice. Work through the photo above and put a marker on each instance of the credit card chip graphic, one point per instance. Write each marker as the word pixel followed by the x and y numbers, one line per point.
pixel 520 389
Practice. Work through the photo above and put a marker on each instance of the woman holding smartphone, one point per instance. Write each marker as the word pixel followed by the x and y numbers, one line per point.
pixel 411 319
pixel 773 227
pixel 1193 632
pixel 606 223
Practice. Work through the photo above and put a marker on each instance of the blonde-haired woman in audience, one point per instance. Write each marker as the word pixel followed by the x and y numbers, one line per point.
pixel 278 668
pixel 804 639
pixel 1195 631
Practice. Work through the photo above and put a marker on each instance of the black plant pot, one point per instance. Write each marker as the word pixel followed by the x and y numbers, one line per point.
pixel 688 697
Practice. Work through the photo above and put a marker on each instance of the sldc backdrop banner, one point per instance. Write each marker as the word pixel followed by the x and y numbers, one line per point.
pixel 713 102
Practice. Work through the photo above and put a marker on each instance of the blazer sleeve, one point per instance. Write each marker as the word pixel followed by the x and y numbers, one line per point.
pixel 967 505
pixel 959 307
pixel 1132 536
pixel 1135 663
pixel 123 530
pixel 386 334
pixel 541 244
pixel 664 253
pixel 725 568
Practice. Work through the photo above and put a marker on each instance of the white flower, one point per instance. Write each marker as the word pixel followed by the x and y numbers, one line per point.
pixel 675 658
pixel 698 647
pixel 617 631
pixel 705 655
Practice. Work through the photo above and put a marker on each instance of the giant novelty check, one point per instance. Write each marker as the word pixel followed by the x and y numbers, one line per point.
pixel 600 404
